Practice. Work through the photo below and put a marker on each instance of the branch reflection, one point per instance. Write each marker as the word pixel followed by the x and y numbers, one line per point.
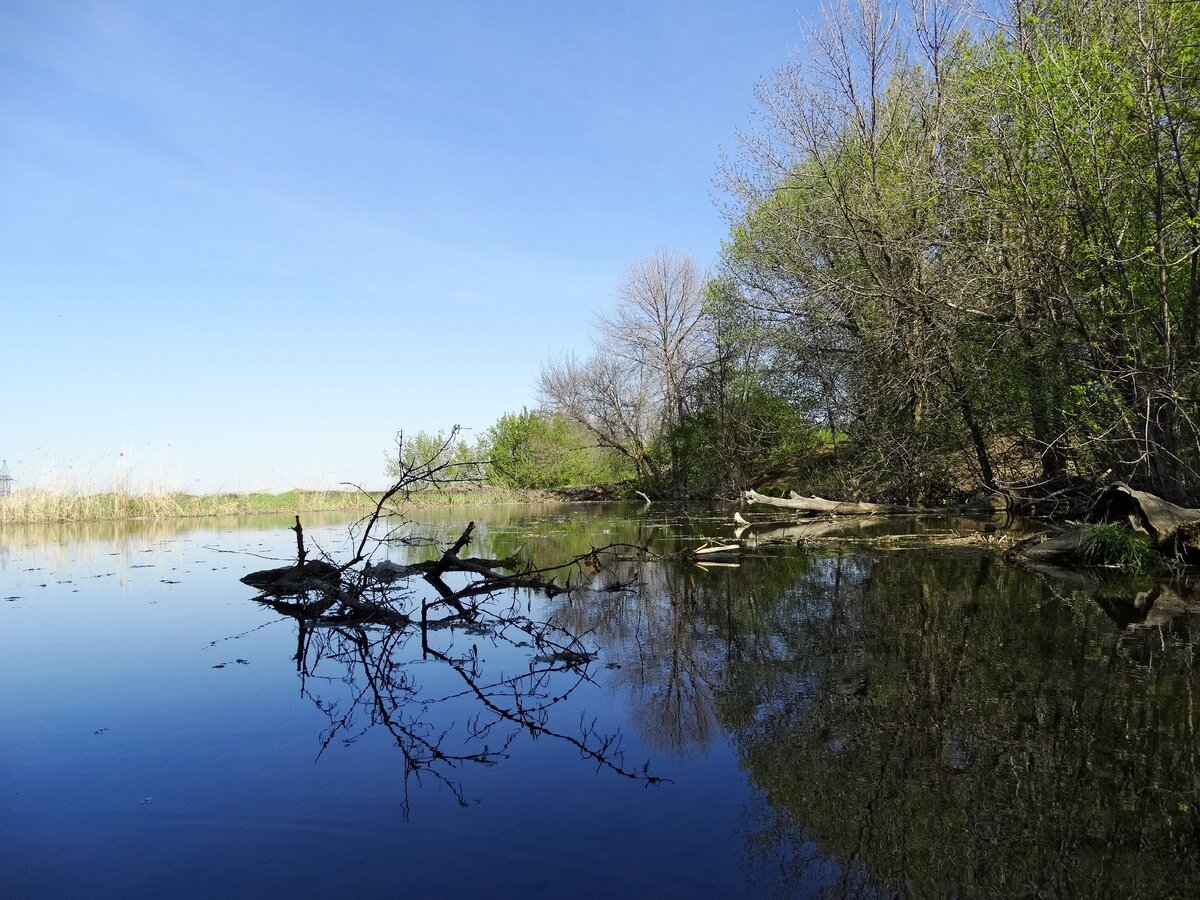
pixel 454 674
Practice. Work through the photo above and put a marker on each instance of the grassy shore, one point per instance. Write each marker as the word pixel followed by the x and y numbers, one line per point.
pixel 49 506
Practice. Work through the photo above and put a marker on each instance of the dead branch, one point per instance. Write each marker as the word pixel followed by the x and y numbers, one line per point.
pixel 361 615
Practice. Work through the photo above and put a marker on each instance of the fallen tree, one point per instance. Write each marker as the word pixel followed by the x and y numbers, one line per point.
pixel 819 506
pixel 1158 532
pixel 1125 528
pixel 378 623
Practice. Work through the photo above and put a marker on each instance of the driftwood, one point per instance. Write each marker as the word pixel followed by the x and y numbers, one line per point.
pixel 1174 531
pixel 376 624
pixel 716 548
pixel 818 506
pixel 350 587
pixel 295 579
pixel 1167 526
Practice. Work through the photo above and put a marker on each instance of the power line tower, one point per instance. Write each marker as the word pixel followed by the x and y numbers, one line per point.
pixel 6 480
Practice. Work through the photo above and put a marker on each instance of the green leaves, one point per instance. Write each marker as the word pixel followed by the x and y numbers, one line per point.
pixel 1005 222
pixel 533 449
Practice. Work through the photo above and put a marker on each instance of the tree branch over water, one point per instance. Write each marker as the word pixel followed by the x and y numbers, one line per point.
pixel 366 625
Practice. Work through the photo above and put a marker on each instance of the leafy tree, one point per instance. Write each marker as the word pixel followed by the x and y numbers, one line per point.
pixel 987 238
pixel 467 461
pixel 532 449
pixel 1091 165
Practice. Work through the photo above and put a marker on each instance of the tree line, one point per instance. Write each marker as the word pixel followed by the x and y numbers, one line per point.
pixel 964 254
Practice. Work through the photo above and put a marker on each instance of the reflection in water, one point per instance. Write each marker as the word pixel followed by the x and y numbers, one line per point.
pixel 953 728
pixel 362 678
pixel 123 531
pixel 366 637
pixel 927 725
pixel 899 724
pixel 124 543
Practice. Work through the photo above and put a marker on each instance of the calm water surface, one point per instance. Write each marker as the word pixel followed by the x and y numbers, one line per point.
pixel 853 724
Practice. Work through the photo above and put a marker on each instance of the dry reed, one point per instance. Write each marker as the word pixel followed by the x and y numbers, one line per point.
pixel 39 506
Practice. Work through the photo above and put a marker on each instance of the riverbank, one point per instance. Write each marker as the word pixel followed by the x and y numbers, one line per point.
pixel 34 506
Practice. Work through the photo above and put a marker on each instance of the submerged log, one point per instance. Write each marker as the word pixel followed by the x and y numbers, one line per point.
pixel 798 532
pixel 294 579
pixel 1065 548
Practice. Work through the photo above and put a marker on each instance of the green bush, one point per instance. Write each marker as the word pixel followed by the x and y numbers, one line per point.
pixel 532 449
pixel 722 448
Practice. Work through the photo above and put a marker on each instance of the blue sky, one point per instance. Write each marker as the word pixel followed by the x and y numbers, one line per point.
pixel 242 244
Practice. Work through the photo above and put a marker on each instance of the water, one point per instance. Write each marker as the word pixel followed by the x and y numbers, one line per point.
pixel 843 724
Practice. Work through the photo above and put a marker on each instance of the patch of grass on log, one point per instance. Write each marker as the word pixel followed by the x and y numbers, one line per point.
pixel 1117 546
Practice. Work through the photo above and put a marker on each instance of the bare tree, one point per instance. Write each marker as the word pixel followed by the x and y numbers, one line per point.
pixel 658 325
pixel 650 348
pixel 611 398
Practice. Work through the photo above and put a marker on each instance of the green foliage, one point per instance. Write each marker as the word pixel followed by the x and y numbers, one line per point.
pixel 741 437
pixel 1117 546
pixel 984 249
pixel 531 449
pixel 468 461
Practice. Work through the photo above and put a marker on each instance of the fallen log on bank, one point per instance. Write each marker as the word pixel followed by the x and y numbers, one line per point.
pixel 1158 531
pixel 1155 532
pixel 819 506
pixel 1168 527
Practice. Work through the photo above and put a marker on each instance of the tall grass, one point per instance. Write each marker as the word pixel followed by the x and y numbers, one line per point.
pixel 53 506
pixel 33 506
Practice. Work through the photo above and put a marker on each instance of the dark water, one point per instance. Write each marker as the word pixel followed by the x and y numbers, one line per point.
pixel 853 724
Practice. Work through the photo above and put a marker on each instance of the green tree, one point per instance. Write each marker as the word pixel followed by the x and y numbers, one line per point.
pixel 1086 154
pixel 466 461
pixel 532 449
pixel 986 239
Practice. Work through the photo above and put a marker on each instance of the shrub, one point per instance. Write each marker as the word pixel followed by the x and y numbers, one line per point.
pixel 532 449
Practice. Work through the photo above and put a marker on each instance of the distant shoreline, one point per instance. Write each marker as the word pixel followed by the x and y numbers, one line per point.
pixel 37 506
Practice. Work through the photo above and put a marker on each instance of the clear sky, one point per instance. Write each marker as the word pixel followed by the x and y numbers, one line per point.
pixel 242 244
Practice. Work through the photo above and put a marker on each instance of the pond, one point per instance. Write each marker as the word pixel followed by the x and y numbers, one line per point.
pixel 786 722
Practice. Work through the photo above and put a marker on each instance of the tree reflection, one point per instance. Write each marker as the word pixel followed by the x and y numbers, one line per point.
pixel 912 724
pixel 928 725
pixel 672 638
pixel 954 728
